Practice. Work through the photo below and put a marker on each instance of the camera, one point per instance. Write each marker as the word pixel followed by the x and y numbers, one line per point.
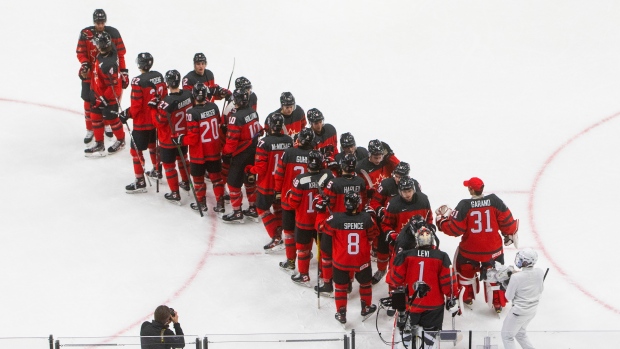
pixel 397 300
pixel 172 312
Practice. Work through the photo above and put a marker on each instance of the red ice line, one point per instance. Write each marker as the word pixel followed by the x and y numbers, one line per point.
pixel 213 228
pixel 537 237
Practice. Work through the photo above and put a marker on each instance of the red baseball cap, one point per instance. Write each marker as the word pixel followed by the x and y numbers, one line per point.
pixel 475 183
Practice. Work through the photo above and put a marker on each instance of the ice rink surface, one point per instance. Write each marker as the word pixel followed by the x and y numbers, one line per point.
pixel 524 95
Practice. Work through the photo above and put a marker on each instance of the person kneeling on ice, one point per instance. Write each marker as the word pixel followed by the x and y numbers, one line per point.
pixel 523 289
pixel 350 234
pixel 426 274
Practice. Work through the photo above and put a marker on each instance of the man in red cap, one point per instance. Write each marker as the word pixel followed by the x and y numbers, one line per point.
pixel 478 221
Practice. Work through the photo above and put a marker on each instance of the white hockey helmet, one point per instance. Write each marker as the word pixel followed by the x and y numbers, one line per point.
pixel 526 258
pixel 424 237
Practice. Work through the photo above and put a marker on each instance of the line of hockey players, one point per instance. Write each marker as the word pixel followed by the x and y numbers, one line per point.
pixel 305 184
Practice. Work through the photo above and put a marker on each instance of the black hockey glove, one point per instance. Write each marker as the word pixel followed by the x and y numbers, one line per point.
pixel 320 203
pixel 391 237
pixel 124 116
pixel 226 158
pixel 371 212
pixel 421 289
pixel 250 178
pixel 153 102
pixel 380 213
pixel 453 306
pixel 387 151
pixel 124 78
pixel 178 140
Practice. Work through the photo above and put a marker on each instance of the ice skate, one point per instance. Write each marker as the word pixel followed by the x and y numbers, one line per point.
pixel 219 207
pixel 234 217
pixel 138 186
pixel 108 131
pixel 367 310
pixel 251 214
pixel 325 289
pixel 173 198
pixel 184 185
pixel 301 280
pixel 341 315
pixel 96 151
pixel 116 147
pixel 89 136
pixel 288 266
pixel 276 244
pixel 202 206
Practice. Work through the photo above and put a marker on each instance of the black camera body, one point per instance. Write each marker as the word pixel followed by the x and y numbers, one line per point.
pixel 397 300
pixel 172 312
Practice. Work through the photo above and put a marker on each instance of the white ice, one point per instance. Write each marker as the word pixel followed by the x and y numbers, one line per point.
pixel 523 94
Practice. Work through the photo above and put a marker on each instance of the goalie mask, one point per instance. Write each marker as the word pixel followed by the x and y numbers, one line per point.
pixel 424 237
pixel 526 258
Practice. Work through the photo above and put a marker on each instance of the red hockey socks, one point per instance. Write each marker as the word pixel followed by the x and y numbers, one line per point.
pixel 303 257
pixel 289 244
pixel 171 176
pixel 235 197
pixel 200 187
pixel 340 295
pixel 218 184
pixel 269 221
pixel 137 164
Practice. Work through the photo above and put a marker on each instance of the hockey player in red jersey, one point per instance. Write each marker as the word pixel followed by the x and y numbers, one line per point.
pixel 242 83
pixel 171 122
pixel 478 221
pixel 388 188
pixel 107 89
pixel 294 115
pixel 87 53
pixel 333 200
pixel 294 162
pixel 268 153
pixel 350 233
pixel 425 274
pixel 398 212
pixel 379 164
pixel 145 89
pixel 348 146
pixel 241 138
pixel 325 135
pixel 301 196
pixel 203 138
pixel 201 74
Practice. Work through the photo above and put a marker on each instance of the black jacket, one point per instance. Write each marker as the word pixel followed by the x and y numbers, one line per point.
pixel 167 341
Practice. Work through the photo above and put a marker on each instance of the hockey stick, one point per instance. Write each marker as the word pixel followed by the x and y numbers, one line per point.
pixel 367 178
pixel 229 80
pixel 318 269
pixel 544 277
pixel 189 179
pixel 133 142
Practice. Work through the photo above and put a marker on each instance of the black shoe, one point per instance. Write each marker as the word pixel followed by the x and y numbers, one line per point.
pixel 139 186
pixel 89 136
pixel 108 131
pixel 251 213
pixel 173 197
pixel 234 217
pixel 116 147
pixel 184 185
pixel 98 150
pixel 341 315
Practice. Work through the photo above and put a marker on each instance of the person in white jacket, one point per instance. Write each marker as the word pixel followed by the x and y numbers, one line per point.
pixel 524 291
